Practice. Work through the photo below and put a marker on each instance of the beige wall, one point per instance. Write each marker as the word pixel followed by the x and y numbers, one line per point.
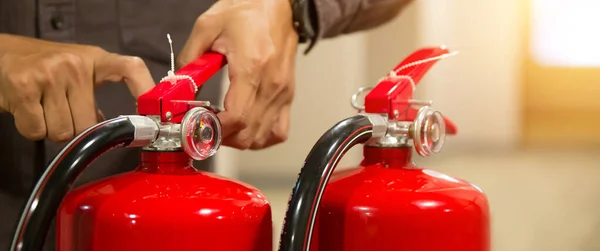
pixel 480 100
pixel 478 88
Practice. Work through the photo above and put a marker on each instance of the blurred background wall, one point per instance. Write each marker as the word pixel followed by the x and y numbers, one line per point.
pixel 522 98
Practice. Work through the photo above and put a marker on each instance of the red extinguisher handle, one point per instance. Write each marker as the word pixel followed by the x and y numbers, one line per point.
pixel 172 97
pixel 314 175
pixel 394 92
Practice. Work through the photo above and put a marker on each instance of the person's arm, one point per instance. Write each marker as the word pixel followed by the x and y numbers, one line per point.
pixel 338 17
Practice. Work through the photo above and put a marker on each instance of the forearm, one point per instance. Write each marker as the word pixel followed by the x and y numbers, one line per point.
pixel 336 17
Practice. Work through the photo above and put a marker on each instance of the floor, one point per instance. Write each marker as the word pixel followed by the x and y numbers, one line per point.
pixel 540 200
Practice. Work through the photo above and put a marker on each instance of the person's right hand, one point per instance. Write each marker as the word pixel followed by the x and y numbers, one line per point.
pixel 50 92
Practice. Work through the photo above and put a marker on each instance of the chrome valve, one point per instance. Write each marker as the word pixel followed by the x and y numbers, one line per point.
pixel 427 130
pixel 199 135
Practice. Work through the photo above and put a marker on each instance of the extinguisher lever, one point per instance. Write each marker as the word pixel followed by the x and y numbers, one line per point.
pixel 174 95
pixel 408 118
pixel 314 175
pixel 165 99
pixel 55 182
pixel 393 95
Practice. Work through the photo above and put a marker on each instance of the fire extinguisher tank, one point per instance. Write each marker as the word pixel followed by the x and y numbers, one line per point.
pixel 389 204
pixel 165 204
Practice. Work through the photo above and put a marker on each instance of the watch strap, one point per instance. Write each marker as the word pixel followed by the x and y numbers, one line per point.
pixel 304 17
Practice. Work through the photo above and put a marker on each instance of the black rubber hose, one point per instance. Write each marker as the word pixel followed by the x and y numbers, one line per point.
pixel 53 185
pixel 314 175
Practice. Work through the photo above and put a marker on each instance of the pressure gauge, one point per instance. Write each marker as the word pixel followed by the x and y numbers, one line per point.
pixel 200 133
pixel 429 131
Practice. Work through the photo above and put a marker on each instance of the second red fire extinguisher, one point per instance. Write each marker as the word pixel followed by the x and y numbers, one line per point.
pixel 385 203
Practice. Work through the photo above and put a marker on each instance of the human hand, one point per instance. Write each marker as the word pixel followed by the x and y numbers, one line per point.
pixel 259 41
pixel 50 92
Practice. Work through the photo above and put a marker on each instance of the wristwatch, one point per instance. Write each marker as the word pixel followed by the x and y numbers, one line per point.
pixel 305 20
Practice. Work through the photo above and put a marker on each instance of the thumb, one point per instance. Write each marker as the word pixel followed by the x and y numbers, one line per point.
pixel 118 68
pixel 206 30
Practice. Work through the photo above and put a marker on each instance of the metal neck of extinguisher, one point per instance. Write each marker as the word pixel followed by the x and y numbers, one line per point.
pixel 388 119
pixel 169 120
pixel 426 132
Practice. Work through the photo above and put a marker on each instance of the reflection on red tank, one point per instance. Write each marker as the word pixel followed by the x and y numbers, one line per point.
pixel 388 204
pixel 165 204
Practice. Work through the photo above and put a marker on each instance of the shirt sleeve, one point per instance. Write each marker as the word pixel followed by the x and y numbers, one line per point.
pixel 337 17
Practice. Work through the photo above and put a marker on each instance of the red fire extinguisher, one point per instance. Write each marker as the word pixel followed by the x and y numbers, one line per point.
pixel 387 202
pixel 165 204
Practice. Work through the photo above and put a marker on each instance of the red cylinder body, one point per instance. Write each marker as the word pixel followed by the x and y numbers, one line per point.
pixel 165 204
pixel 388 204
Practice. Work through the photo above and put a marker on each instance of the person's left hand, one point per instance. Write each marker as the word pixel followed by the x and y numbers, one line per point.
pixel 259 41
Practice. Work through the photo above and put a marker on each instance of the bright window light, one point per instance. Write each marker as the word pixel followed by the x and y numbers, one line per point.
pixel 566 33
